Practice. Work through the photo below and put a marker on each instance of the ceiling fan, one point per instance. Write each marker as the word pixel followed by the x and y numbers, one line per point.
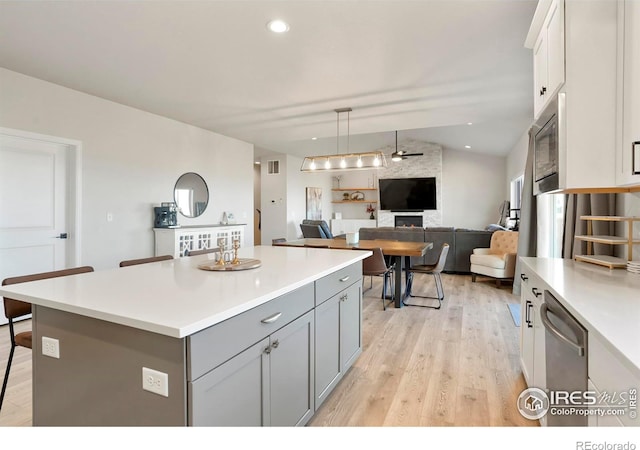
pixel 400 155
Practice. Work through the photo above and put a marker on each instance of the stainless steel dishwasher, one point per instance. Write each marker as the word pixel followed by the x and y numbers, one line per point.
pixel 566 359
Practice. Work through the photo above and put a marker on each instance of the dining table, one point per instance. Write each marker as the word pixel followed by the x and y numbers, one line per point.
pixel 401 251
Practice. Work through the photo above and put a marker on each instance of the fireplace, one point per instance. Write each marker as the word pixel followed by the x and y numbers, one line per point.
pixel 408 221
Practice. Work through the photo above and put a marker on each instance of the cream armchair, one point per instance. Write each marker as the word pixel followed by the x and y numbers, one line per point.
pixel 497 261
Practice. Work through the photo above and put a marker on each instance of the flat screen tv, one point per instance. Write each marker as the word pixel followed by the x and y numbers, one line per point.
pixel 407 194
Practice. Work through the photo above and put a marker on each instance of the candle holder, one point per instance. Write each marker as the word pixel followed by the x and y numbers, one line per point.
pixel 222 247
pixel 236 246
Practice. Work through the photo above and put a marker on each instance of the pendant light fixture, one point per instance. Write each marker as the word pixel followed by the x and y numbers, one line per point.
pixel 346 161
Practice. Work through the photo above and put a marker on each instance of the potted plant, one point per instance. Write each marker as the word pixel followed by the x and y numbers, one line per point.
pixel 371 210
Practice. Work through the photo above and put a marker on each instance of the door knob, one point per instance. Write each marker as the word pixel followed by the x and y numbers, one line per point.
pixel 62 236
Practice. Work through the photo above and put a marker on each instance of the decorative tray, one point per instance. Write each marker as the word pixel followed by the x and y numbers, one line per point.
pixel 243 264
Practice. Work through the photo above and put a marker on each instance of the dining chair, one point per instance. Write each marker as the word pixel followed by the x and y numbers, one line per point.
pixel 15 309
pixel 203 251
pixel 432 269
pixel 311 231
pixel 134 262
pixel 376 266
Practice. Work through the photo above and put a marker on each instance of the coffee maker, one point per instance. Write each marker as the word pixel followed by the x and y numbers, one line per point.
pixel 166 215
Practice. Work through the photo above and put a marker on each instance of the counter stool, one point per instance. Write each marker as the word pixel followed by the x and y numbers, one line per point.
pixel 135 262
pixel 14 309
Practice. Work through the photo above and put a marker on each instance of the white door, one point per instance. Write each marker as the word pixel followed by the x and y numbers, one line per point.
pixel 33 215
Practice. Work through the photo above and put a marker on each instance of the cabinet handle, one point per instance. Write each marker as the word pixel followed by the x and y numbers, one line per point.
pixel 344 279
pixel 344 297
pixel 523 277
pixel 527 314
pixel 275 344
pixel 542 91
pixel 272 318
pixel 535 292
pixel 267 350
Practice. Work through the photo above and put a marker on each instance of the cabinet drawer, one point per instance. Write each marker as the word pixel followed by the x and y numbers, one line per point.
pixel 611 375
pixel 211 347
pixel 333 283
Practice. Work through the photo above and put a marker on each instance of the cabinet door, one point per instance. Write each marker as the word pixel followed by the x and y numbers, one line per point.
pixel 233 393
pixel 526 334
pixel 350 325
pixel 291 362
pixel 539 72
pixel 187 241
pixel 555 47
pixel 631 93
pixel 539 353
pixel 328 370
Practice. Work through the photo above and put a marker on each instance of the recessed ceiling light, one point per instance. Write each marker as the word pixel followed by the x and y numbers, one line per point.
pixel 278 26
pixel 467 146
pixel 469 123
pixel 314 138
pixel 257 163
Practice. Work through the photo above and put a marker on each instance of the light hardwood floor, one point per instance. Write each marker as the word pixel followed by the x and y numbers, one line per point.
pixel 457 366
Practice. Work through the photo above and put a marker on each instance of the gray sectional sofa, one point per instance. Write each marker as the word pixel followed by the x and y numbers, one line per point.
pixel 461 243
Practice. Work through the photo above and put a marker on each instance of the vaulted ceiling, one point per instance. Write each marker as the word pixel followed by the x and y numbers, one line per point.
pixel 425 68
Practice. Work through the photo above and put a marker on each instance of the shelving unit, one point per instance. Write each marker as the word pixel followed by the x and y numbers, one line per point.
pixel 612 262
pixel 352 190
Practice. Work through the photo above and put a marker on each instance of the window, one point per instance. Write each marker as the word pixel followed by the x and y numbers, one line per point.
pixel 550 225
pixel 515 201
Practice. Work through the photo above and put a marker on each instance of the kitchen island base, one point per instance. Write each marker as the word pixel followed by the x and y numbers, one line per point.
pixel 257 368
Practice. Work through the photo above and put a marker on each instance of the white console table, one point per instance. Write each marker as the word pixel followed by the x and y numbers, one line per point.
pixel 174 241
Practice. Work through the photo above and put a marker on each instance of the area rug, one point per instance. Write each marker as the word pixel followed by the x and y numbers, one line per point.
pixel 514 309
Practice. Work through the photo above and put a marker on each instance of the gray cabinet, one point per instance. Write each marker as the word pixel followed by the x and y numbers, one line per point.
pixel 233 393
pixel 338 322
pixel 269 383
pixel 291 373
pixel 275 364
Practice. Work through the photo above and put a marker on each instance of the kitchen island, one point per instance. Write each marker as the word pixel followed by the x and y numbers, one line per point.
pixel 257 347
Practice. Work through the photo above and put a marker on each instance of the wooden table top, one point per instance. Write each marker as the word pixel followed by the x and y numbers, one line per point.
pixel 391 248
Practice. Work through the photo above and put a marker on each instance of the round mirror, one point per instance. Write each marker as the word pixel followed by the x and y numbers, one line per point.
pixel 191 194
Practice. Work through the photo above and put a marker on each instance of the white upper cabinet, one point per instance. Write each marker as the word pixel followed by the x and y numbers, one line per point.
pixel 575 52
pixel 548 57
pixel 626 173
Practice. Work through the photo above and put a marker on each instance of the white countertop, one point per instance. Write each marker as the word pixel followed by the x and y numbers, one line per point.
pixel 177 299
pixel 605 301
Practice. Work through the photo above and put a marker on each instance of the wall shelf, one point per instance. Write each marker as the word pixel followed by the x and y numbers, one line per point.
pixel 354 189
pixel 354 201
pixel 612 262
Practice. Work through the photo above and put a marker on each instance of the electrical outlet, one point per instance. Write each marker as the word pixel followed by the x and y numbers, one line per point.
pixel 156 382
pixel 50 347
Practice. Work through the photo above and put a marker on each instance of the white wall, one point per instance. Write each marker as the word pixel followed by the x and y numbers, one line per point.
pixel 131 160
pixel 473 188
pixel 297 182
